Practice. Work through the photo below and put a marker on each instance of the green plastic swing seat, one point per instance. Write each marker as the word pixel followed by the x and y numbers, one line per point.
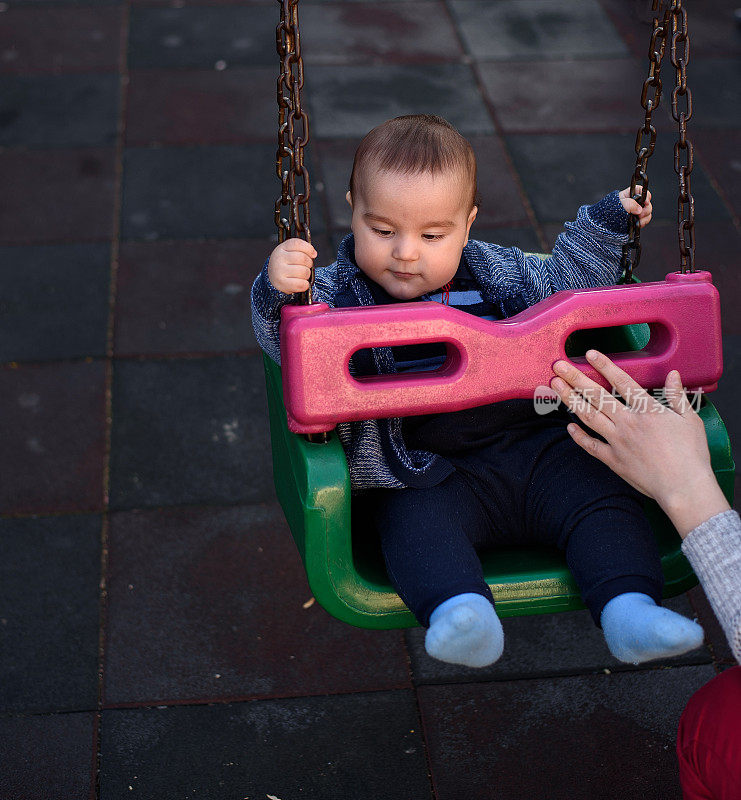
pixel 346 574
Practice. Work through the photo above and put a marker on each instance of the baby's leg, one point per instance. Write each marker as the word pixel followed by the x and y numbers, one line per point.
pixel 611 550
pixel 428 538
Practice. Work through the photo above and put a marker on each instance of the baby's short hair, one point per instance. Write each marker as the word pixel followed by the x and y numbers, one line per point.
pixel 413 144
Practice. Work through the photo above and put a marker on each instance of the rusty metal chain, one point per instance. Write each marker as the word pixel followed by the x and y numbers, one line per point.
pixel 292 207
pixel 683 151
pixel 650 99
pixel 670 30
pixel 293 136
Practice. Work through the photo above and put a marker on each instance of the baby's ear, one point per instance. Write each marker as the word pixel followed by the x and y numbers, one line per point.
pixel 348 197
pixel 471 218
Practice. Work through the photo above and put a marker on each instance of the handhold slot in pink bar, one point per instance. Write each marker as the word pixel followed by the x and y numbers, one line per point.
pixel 454 359
pixel 660 342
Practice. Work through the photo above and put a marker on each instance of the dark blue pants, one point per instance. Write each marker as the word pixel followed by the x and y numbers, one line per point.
pixel 527 486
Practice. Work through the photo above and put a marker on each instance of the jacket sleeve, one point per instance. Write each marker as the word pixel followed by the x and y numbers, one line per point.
pixel 267 302
pixel 714 550
pixel 587 252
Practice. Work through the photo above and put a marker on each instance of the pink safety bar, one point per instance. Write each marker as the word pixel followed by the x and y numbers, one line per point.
pixel 487 360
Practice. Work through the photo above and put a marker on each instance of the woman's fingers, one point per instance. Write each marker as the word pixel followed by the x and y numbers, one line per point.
pixel 635 396
pixel 586 410
pixel 593 446
pixel 585 387
pixel 676 395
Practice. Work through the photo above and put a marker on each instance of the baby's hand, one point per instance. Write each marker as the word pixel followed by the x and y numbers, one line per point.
pixel 290 265
pixel 634 207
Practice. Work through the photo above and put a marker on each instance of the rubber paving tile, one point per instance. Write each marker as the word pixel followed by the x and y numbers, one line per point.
pixel 190 431
pixel 345 33
pixel 49 39
pixel 501 201
pixel 581 96
pixel 351 747
pixel 55 301
pixel 214 604
pixel 186 296
pixel 591 737
pixel 192 192
pixel 545 645
pixel 199 106
pixel 49 756
pixel 62 3
pixel 715 84
pixel 334 161
pixel 202 36
pixel 56 195
pixel 713 29
pixel 524 238
pixel 715 637
pixel 53 442
pixel 168 3
pixel 348 102
pixel 563 172
pixel 718 152
pixel 49 612
pixel 633 21
pixel 59 110
pixel 511 30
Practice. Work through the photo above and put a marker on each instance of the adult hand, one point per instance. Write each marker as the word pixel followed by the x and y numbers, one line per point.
pixel 661 451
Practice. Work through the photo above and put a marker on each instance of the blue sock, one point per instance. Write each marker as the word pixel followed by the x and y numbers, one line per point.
pixel 465 630
pixel 638 630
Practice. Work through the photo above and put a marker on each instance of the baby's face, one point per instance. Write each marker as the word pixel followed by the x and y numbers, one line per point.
pixel 410 229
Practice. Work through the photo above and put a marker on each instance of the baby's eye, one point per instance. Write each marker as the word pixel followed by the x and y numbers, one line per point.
pixel 382 232
pixel 433 237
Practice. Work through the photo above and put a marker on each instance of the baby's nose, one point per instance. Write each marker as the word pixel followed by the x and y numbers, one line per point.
pixel 405 249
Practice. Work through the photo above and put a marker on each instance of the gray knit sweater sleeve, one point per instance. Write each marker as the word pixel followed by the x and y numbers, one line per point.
pixel 714 550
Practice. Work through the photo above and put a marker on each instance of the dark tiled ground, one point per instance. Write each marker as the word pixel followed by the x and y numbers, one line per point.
pixel 153 608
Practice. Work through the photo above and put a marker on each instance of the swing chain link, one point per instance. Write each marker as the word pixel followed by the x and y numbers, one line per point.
pixel 683 150
pixel 669 27
pixel 293 135
pixel 631 255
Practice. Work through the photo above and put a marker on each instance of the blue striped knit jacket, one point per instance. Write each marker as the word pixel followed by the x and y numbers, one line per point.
pixel 587 253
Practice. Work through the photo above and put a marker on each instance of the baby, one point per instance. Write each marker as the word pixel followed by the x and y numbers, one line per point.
pixel 438 487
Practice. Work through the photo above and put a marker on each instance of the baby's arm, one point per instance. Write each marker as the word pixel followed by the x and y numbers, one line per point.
pixel 283 275
pixel 588 251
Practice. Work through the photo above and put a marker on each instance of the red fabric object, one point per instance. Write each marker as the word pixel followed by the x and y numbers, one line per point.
pixel 709 740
